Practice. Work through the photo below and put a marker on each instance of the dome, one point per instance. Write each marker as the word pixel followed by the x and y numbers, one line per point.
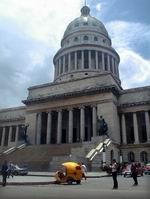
pixel 85 50
pixel 85 22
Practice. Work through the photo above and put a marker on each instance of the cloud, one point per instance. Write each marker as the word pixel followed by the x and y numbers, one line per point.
pixel 30 35
pixel 126 38
pixel 135 70
pixel 98 7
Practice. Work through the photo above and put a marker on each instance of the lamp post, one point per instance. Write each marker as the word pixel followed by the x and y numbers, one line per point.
pixel 120 158
pixel 104 155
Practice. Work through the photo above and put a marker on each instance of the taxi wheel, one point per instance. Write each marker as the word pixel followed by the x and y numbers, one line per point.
pixel 78 181
pixel 69 181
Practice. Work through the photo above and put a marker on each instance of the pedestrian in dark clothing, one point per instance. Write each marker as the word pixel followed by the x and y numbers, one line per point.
pixel 4 171
pixel 134 173
pixel 114 173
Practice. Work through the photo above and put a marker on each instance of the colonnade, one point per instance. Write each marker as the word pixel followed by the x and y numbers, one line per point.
pixel 86 59
pixel 135 127
pixel 9 134
pixel 70 125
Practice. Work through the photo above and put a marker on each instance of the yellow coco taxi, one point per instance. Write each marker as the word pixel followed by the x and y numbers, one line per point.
pixel 70 172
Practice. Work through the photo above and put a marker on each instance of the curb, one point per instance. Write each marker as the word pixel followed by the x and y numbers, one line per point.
pixel 44 183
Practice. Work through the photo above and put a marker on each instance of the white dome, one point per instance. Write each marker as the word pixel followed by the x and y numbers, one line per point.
pixel 85 22
pixel 85 50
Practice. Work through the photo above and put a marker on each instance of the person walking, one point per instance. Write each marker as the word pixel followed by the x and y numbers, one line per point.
pixel 84 170
pixel 4 172
pixel 10 171
pixel 114 173
pixel 134 173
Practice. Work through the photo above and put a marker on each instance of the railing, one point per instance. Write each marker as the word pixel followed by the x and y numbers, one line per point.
pixel 12 149
pixel 98 149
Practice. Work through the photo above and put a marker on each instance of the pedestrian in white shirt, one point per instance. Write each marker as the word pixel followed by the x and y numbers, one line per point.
pixel 84 170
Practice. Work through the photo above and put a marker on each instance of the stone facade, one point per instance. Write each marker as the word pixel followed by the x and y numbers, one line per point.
pixel 86 85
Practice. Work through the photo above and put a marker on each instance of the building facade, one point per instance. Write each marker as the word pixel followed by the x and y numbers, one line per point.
pixel 86 85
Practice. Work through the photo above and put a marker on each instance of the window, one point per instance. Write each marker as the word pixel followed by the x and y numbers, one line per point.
pixel 131 157
pixel 95 39
pixel 93 24
pixel 76 39
pixel 85 38
pixel 76 25
pixel 85 23
pixel 143 156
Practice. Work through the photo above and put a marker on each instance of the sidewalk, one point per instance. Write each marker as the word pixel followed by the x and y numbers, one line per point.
pixel 43 178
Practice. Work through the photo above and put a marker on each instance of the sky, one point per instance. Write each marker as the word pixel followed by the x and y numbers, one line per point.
pixel 31 31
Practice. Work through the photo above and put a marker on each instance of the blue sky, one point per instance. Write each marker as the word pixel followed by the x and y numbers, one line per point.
pixel 31 30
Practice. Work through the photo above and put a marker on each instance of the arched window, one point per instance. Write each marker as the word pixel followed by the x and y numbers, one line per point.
pixel 95 39
pixel 143 156
pixel 131 157
pixel 85 38
pixel 76 39
pixel 76 25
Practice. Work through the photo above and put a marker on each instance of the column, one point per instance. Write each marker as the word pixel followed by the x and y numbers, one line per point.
pixel 108 62
pixel 136 136
pixel 69 62
pixel 96 58
pixel 59 67
pixel 117 71
pixel 94 121
pixel 55 70
pixel 3 136
pixel 59 127
pixel 147 120
pixel 64 64
pixel 112 60
pixel 103 64
pixel 39 127
pixel 17 135
pixel 123 126
pixel 75 59
pixel 70 125
pixel 10 134
pixel 82 124
pixel 82 55
pixel 89 57
pixel 49 128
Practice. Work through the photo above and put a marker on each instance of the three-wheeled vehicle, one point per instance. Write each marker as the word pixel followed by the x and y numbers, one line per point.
pixel 69 173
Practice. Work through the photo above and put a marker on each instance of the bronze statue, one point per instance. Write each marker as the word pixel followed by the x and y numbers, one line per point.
pixel 102 126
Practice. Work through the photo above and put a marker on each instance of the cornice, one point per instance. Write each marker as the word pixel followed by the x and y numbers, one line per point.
pixel 12 119
pixel 89 91
pixel 132 104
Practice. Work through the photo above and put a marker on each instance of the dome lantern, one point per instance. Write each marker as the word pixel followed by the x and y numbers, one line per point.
pixel 85 11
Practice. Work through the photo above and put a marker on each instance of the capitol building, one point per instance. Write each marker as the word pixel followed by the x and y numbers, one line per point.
pixel 62 115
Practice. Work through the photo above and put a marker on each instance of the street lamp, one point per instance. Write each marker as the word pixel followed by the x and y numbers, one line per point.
pixel 120 157
pixel 104 155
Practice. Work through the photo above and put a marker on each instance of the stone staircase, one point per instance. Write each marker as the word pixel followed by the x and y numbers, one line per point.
pixel 40 157
pixel 98 149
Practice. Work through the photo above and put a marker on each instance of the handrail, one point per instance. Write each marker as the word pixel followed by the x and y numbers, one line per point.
pixel 12 149
pixel 99 148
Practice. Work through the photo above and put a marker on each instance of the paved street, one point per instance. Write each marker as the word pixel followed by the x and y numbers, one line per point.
pixel 91 188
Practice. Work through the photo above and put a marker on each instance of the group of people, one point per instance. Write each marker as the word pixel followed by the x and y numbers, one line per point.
pixel 6 171
pixel 114 171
